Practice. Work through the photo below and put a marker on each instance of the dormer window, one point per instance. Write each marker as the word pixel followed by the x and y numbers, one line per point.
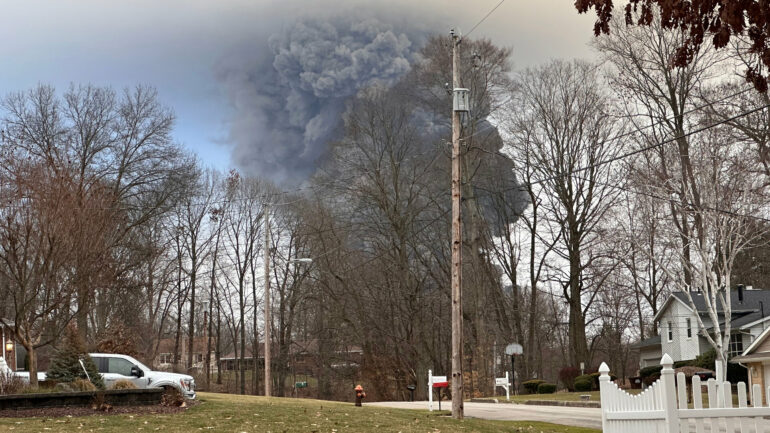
pixel 670 331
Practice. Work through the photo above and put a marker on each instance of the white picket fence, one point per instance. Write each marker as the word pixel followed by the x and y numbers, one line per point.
pixel 663 407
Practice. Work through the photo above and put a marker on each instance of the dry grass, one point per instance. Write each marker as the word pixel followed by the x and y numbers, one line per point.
pixel 234 413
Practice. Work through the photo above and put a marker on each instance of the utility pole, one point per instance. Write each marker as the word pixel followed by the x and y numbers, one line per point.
pixel 457 258
pixel 268 312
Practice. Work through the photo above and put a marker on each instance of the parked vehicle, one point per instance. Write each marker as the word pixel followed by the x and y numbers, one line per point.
pixel 114 367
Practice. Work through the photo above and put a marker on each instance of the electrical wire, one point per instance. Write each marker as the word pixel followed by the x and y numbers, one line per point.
pixel 485 17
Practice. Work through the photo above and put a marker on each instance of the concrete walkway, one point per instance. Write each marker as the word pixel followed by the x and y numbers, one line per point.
pixel 573 416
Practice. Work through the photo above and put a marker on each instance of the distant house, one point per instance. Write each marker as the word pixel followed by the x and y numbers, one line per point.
pixel 303 357
pixel 164 360
pixel 756 358
pixel 680 338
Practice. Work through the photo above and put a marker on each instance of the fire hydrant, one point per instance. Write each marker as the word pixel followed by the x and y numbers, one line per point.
pixel 360 394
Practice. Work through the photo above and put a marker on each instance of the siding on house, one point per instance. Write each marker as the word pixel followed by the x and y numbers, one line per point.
pixel 763 346
pixel 681 348
pixel 650 356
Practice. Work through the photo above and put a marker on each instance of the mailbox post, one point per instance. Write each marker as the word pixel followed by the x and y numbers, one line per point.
pixel 411 389
pixel 435 382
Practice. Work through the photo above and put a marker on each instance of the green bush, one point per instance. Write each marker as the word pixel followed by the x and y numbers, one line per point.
pixel 531 385
pixel 688 363
pixel 584 383
pixel 546 388
pixel 648 371
pixel 65 364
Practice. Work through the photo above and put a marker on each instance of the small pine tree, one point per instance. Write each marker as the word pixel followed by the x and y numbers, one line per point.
pixel 65 364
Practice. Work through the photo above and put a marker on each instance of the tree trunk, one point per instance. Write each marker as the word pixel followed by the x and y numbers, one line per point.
pixel 242 365
pixel 577 324
pixel 218 352
pixel 32 356
pixel 191 330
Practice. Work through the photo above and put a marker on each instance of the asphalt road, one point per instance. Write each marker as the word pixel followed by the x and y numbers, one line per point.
pixel 573 416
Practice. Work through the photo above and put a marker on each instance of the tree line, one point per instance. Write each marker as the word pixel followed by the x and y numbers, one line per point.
pixel 591 191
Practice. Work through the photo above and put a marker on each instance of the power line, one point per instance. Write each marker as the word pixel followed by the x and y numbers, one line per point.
pixel 485 17
pixel 642 149
pixel 651 125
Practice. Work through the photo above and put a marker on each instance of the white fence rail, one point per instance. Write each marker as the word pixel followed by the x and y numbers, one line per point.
pixel 665 408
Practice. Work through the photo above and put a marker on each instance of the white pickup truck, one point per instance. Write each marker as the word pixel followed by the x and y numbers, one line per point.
pixel 114 367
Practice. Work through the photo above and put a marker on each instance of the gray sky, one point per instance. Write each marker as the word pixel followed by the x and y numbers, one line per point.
pixel 179 46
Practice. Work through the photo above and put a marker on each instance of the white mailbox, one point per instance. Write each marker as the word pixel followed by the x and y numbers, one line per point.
pixel 462 101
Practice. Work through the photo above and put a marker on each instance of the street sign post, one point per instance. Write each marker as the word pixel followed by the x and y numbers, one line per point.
pixel 513 349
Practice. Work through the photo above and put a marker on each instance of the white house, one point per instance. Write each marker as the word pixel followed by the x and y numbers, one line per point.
pixel 678 326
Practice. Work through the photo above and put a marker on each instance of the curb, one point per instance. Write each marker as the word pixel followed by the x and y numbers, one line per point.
pixel 484 400
pixel 591 404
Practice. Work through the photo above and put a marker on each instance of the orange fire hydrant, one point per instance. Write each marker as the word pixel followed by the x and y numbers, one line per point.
pixel 360 394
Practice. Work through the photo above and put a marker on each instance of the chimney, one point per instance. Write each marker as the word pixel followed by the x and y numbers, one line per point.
pixel 740 293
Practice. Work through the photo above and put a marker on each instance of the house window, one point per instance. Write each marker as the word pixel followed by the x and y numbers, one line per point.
pixel 198 357
pixel 736 345
pixel 670 332
pixel 689 328
pixel 166 358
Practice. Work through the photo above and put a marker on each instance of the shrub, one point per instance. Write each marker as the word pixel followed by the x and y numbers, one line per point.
pixel 531 385
pixel 649 380
pixel 546 388
pixel 65 365
pixel 82 385
pixel 172 397
pixel 689 363
pixel 10 384
pixel 124 384
pixel 647 371
pixel 584 383
pixel 706 360
pixel 567 377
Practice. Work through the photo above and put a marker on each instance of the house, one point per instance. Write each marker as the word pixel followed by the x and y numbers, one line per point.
pixel 10 348
pixel 303 357
pixel 164 359
pixel 756 358
pixel 679 335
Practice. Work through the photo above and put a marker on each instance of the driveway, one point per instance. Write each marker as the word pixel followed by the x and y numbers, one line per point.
pixel 573 416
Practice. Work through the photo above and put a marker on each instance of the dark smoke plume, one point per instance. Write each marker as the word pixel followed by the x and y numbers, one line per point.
pixel 288 97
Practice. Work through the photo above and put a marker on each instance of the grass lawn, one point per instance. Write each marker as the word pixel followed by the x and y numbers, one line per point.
pixel 559 396
pixel 233 413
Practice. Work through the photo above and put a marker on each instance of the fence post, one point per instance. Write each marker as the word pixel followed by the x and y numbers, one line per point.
pixel 604 393
pixel 669 395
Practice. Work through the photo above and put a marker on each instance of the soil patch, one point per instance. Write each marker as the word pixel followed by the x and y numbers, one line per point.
pixel 55 412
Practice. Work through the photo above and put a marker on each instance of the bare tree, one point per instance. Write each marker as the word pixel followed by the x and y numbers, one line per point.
pixel 563 120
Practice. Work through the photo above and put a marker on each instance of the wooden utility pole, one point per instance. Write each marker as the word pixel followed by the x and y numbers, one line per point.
pixel 268 312
pixel 457 243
